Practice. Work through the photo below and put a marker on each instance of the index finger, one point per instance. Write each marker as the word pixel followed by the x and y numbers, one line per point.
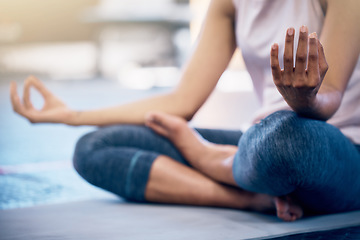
pixel 15 100
pixel 39 86
pixel 274 63
pixel 26 94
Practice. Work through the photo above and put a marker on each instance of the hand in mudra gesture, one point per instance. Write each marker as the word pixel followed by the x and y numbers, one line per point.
pixel 53 110
pixel 299 85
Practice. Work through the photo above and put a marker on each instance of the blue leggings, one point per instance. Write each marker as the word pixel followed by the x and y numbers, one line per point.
pixel 284 154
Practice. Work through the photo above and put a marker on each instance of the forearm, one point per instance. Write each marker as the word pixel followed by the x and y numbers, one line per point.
pixel 216 45
pixel 131 113
pixel 341 43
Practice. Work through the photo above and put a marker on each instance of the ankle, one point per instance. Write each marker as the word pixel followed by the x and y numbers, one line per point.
pixel 262 203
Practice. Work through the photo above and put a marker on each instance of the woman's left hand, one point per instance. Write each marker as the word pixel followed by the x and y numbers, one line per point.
pixel 299 85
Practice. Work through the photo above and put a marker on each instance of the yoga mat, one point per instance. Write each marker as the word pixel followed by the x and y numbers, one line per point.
pixel 115 219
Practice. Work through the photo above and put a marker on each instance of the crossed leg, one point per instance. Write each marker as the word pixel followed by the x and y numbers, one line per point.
pixel 213 163
pixel 173 182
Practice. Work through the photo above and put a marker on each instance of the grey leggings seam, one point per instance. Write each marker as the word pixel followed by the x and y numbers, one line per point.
pixel 133 161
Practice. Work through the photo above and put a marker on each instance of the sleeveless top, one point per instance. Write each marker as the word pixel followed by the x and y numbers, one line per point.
pixel 259 24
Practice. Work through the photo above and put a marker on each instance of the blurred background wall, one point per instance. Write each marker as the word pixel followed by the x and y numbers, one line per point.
pixel 25 21
pixel 137 44
pixel 46 38
pixel 113 39
pixel 93 38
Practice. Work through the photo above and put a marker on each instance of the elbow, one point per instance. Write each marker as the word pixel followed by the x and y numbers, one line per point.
pixel 190 109
pixel 187 112
pixel 188 117
pixel 184 107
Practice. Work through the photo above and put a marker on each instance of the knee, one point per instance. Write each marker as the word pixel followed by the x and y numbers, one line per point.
pixel 83 149
pixel 92 142
pixel 267 159
pixel 91 149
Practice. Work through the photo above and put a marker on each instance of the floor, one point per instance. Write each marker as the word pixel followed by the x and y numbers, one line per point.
pixel 113 219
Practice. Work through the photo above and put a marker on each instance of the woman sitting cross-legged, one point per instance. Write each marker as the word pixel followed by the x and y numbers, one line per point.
pixel 302 153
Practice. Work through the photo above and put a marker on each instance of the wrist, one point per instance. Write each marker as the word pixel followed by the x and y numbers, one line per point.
pixel 320 108
pixel 303 105
pixel 71 118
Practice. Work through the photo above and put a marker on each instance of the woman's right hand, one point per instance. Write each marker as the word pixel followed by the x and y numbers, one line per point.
pixel 53 110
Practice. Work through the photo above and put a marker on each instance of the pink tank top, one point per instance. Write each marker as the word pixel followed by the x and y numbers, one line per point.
pixel 259 24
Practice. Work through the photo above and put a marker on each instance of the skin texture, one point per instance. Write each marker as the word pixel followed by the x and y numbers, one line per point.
pixel 299 85
pixel 215 161
pixel 175 183
pixel 341 43
pixel 319 96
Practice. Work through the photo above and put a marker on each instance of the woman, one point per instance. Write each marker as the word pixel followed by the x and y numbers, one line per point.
pixel 290 161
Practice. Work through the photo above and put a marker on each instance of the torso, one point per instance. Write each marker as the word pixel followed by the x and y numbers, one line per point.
pixel 259 24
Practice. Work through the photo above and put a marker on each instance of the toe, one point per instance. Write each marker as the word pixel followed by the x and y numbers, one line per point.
pixel 287 210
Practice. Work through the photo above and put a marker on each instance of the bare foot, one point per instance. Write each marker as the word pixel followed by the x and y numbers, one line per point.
pixel 176 129
pixel 287 209
pixel 214 160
